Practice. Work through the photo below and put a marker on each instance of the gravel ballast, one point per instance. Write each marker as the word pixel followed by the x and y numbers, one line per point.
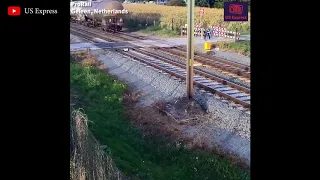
pixel 225 114
pixel 231 56
pixel 214 71
pixel 75 39
pixel 228 127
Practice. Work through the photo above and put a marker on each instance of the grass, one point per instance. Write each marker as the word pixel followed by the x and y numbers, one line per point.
pixel 151 29
pixel 167 18
pixel 164 15
pixel 138 156
pixel 87 159
pixel 245 33
pixel 161 32
pixel 241 47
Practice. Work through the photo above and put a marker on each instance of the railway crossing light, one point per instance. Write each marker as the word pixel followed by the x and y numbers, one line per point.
pixel 190 48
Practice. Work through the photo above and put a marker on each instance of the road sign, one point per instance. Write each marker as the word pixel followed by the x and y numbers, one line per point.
pixel 201 12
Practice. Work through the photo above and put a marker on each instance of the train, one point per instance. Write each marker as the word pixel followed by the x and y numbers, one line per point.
pixel 105 14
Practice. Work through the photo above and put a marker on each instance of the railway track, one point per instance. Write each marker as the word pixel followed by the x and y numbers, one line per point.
pixel 241 67
pixel 222 60
pixel 196 70
pixel 234 69
pixel 111 37
pixel 202 79
pixel 84 31
pixel 214 85
pixel 83 36
pixel 136 37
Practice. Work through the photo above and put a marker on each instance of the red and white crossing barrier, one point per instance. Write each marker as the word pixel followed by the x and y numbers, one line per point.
pixel 215 31
pixel 223 32
pixel 197 30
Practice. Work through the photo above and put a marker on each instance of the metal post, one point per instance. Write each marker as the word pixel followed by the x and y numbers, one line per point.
pixel 235 35
pixel 172 24
pixel 93 19
pixel 190 48
pixel 201 30
pixel 115 25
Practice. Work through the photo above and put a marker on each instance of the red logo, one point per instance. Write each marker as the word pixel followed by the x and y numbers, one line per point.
pixel 14 11
pixel 235 9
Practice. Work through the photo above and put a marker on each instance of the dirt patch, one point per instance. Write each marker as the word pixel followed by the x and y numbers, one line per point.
pixel 150 119
pixel 86 58
pixel 170 119
pixel 182 110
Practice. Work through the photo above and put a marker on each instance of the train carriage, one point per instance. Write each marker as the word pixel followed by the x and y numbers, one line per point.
pixel 107 14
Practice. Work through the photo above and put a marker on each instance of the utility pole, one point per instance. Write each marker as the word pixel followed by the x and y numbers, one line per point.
pixel 190 48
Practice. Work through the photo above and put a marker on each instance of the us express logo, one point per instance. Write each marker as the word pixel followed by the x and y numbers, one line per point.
pixel 235 11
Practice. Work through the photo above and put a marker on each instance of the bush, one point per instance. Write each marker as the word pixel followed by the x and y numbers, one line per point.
pixel 176 3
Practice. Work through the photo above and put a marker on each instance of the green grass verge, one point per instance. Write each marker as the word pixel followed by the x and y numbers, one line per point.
pixel 241 47
pixel 141 158
pixel 161 32
pixel 135 25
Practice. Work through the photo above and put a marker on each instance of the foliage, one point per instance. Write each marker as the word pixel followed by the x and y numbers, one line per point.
pixel 240 47
pixel 160 32
pixel 165 15
pixel 176 3
pixel 205 3
pixel 136 155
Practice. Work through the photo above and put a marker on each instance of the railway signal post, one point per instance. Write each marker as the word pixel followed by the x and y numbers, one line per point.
pixel 190 48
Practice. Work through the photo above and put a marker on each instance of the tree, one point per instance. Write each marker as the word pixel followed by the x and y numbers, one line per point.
pixel 176 3
pixel 211 3
pixel 202 3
